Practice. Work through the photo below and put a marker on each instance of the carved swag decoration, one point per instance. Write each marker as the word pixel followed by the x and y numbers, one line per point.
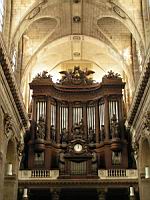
pixel 7 124
pixel 76 77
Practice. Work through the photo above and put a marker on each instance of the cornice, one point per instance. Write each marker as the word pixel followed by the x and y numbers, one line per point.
pixel 6 66
pixel 138 94
pixel 77 183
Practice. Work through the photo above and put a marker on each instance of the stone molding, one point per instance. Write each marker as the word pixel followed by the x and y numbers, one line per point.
pixel 6 66
pixel 139 94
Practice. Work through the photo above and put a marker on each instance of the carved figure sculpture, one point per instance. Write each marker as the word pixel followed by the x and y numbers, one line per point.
pixel 114 127
pixel 77 76
pixel 112 75
pixel 53 133
pixel 41 128
pixel 64 134
pixel 7 123
pixel 91 135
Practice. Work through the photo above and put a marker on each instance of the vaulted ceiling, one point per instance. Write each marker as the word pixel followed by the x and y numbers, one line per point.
pixel 58 34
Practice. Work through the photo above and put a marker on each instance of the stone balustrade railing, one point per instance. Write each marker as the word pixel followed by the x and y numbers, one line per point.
pixel 118 174
pixel 54 174
pixel 42 174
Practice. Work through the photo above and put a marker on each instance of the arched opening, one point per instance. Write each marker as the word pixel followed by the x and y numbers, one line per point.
pixel 145 158
pixel 10 156
pixel 11 170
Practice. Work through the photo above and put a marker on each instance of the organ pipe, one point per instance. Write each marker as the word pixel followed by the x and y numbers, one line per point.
pixel 113 109
pixel 53 115
pixel 77 114
pixel 101 114
pixel 91 118
pixel 63 118
pixel 40 110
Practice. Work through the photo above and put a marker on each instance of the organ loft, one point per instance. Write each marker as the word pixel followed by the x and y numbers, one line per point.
pixel 77 129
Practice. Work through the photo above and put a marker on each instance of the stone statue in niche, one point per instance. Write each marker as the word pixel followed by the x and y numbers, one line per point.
pixel 114 127
pixel 53 133
pixel 41 128
pixel 7 124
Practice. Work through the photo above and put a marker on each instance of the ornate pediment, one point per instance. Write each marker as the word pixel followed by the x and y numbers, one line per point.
pixel 76 77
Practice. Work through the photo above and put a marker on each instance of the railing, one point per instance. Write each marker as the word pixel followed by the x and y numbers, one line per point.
pixel 42 174
pixel 118 174
pixel 54 174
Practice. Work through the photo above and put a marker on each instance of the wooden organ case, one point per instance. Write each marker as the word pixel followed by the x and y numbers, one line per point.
pixel 77 125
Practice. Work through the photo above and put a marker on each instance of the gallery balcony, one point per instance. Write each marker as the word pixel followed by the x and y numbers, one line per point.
pixel 102 174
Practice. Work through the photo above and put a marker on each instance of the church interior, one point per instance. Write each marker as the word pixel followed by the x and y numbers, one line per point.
pixel 74 99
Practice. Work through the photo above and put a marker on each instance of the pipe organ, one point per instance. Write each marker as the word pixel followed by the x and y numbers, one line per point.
pixel 77 124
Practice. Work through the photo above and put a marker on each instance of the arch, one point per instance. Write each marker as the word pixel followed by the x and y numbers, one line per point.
pixel 144 155
pixel 128 22
pixel 11 156
pixel 112 53
pixel 26 21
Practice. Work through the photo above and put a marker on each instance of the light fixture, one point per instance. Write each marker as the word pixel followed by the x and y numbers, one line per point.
pixel 147 172
pixel 131 191
pixel 9 169
pixel 25 193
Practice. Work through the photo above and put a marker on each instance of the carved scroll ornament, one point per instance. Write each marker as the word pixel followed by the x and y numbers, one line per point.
pixel 147 121
pixel 7 124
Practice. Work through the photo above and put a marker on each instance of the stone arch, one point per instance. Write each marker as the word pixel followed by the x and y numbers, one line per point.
pixel 26 21
pixel 11 156
pixel 11 163
pixel 144 160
